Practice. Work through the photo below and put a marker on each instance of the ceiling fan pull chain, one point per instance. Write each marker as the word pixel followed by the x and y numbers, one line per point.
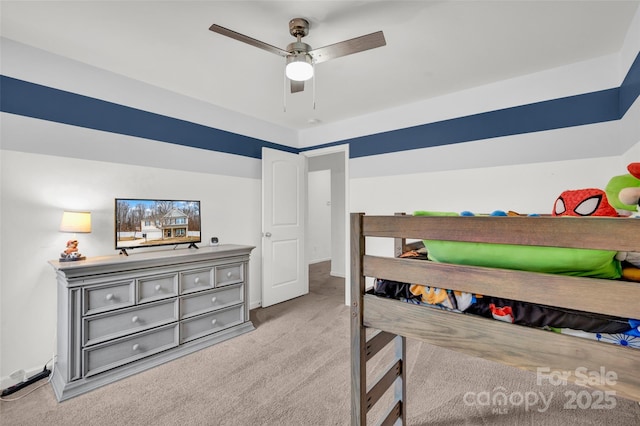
pixel 284 93
pixel 313 64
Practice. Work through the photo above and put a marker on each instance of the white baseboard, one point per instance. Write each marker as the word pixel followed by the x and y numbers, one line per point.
pixel 311 262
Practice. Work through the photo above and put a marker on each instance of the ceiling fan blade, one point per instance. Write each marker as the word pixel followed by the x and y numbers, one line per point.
pixel 297 86
pixel 246 39
pixel 347 47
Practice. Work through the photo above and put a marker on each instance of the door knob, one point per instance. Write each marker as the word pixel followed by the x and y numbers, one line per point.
pixel 267 234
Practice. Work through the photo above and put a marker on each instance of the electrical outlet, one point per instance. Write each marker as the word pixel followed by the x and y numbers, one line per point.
pixel 18 375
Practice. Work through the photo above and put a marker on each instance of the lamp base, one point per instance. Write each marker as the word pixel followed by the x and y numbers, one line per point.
pixel 72 259
pixel 71 253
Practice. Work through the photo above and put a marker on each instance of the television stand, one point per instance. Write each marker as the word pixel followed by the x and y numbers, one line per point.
pixel 124 251
pixel 118 316
pixel 193 245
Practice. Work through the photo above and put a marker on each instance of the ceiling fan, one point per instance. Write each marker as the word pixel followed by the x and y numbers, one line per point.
pixel 300 57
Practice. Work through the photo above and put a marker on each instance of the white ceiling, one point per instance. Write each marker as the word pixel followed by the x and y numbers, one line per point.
pixel 433 47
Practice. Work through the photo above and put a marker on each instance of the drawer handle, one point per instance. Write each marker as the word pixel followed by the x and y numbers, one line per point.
pixel 196 280
pixel 213 299
pixel 158 287
pixel 134 319
pixel 109 296
pixel 229 274
pixel 213 321
pixel 135 347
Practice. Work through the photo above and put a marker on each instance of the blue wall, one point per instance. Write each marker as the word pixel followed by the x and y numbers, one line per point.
pixel 37 101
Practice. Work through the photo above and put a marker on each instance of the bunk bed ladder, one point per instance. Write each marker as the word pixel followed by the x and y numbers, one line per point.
pixel 363 349
pixel 394 375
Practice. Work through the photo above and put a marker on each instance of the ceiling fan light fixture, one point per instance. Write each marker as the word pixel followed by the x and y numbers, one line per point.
pixel 299 67
pixel 300 57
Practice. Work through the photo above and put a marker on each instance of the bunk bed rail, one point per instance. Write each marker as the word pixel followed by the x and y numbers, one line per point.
pixel 478 336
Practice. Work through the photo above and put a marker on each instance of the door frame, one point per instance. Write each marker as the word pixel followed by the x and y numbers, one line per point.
pixel 344 148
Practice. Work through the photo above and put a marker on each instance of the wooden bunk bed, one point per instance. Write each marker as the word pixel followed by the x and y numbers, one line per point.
pixel 393 321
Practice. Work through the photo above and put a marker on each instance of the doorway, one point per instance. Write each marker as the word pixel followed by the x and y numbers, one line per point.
pixel 328 192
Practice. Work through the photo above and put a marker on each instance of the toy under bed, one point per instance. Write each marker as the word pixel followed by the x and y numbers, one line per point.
pixel 542 259
pixel 604 328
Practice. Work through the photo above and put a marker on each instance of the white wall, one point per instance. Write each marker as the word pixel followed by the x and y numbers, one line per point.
pixel 319 211
pixel 631 156
pixel 41 67
pixel 583 77
pixel 525 188
pixel 529 188
pixel 587 142
pixel 36 188
pixel 48 167
pixel 523 172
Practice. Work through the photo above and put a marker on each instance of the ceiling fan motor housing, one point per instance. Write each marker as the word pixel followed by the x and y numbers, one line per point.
pixel 298 27
pixel 298 47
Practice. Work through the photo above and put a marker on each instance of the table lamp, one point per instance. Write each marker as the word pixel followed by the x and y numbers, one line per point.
pixel 74 222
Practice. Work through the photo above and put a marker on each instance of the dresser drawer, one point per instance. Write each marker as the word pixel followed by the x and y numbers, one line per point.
pixel 101 298
pixel 157 287
pixel 210 323
pixel 113 354
pixel 113 325
pixel 229 274
pixel 201 303
pixel 196 280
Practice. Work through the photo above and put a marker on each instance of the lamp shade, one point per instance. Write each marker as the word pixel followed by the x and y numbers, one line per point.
pixel 299 67
pixel 76 222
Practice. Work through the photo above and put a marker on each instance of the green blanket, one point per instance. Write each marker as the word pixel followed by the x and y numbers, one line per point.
pixel 555 260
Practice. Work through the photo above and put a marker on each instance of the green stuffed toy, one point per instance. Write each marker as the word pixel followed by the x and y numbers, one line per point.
pixel 624 194
pixel 623 191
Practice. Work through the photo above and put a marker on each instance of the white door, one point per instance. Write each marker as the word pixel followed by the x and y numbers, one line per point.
pixel 284 266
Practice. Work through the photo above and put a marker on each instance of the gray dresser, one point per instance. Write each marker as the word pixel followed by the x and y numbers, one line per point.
pixel 119 315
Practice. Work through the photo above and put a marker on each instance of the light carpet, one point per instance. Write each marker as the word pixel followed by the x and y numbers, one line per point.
pixel 294 370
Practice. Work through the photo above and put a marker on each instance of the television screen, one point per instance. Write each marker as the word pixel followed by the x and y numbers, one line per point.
pixel 151 223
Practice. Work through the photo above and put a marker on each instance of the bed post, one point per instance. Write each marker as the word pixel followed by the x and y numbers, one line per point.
pixel 399 244
pixel 358 333
pixel 400 342
pixel 363 349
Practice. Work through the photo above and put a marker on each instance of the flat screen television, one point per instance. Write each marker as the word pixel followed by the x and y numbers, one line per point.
pixel 152 223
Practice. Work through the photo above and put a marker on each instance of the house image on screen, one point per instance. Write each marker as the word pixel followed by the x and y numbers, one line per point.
pixel 172 225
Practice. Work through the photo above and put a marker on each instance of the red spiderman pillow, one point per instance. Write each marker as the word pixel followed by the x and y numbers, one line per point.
pixel 625 194
pixel 583 202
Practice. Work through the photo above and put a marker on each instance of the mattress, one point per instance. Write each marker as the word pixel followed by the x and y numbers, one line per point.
pixel 604 328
